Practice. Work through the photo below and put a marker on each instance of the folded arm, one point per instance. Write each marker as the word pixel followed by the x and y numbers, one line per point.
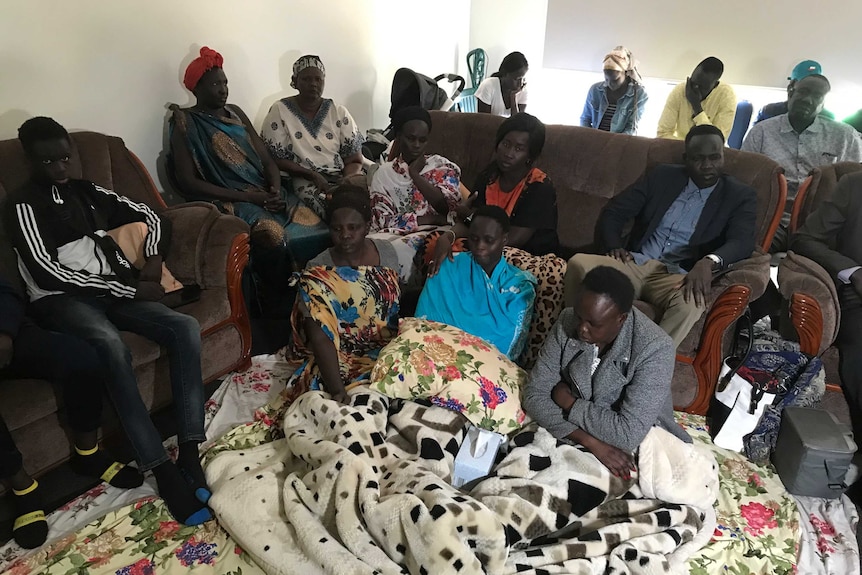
pixel 537 400
pixel 38 252
pixel 642 401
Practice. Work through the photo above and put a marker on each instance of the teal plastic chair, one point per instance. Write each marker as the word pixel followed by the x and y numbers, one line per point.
pixel 466 101
pixel 476 60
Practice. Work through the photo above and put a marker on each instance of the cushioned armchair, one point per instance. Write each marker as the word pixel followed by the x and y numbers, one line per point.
pixel 208 249
pixel 588 167
pixel 813 306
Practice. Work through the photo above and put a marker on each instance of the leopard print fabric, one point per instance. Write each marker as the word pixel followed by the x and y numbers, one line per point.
pixel 549 271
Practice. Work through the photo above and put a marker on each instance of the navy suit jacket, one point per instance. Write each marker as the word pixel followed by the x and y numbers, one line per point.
pixel 726 226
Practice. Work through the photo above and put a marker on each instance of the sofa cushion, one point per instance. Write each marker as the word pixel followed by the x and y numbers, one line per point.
pixel 23 401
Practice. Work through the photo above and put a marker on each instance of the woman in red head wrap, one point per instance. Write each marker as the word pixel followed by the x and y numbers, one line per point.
pixel 219 157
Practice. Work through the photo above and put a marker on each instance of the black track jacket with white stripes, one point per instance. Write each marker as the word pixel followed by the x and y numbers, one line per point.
pixel 52 227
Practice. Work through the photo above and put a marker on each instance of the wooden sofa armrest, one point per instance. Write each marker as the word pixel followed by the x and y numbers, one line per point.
pixel 815 311
pixel 730 295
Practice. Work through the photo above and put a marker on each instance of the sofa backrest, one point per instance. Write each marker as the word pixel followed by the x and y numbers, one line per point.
pixel 819 187
pixel 102 159
pixel 588 167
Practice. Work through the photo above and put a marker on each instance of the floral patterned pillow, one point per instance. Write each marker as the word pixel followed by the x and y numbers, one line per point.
pixel 452 369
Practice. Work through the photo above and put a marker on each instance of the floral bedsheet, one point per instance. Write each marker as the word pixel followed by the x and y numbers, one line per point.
pixel 758 531
pixel 758 525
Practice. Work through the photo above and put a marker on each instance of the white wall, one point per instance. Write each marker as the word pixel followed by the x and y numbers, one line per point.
pixel 114 66
pixel 759 42
pixel 557 95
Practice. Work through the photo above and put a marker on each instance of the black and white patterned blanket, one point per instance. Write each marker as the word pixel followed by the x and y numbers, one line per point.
pixel 366 489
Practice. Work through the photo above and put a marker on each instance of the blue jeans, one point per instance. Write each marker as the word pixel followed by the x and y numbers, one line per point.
pixel 98 320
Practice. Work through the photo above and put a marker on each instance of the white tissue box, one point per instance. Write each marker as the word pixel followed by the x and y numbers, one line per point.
pixel 476 455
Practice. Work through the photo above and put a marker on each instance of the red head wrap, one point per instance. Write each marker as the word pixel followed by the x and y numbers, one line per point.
pixel 208 60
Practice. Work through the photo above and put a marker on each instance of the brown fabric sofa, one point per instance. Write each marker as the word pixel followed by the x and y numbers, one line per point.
pixel 588 167
pixel 208 248
pixel 813 306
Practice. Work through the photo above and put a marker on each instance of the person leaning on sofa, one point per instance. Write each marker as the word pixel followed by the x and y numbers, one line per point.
pixel 80 282
pixel 832 237
pixel 690 222
pixel 27 351
pixel 602 378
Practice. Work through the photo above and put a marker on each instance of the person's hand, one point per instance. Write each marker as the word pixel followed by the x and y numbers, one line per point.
pixel 697 283
pixel 257 198
pixel 621 254
pixel 442 251
pixel 149 291
pixel 415 167
pixel 152 270
pixel 562 396
pixel 6 348
pixel 465 207
pixel 320 183
pixel 274 201
pixel 618 462
pixel 519 86
pixel 856 281
pixel 692 94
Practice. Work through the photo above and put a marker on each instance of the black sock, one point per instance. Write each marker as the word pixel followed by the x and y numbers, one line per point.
pixel 97 464
pixel 189 462
pixel 178 496
pixel 30 529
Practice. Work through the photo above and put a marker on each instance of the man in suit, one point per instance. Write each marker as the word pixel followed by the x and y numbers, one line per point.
pixel 832 237
pixel 689 222
pixel 602 379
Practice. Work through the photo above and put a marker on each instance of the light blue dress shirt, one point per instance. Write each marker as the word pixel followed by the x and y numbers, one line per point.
pixel 670 243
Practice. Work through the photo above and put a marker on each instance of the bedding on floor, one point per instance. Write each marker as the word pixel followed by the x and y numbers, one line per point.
pixel 365 488
pixel 101 532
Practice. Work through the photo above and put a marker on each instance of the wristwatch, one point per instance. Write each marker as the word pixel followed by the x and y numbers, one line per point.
pixel 716 261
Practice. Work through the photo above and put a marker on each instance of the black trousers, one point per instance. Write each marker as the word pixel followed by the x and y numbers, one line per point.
pixel 850 352
pixel 64 360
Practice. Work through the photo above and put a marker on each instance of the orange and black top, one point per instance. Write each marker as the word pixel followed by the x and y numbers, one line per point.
pixel 532 203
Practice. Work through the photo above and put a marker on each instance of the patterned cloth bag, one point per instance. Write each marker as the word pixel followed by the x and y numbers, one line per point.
pixel 754 389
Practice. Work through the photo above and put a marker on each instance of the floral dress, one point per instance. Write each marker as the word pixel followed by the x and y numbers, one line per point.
pixel 357 308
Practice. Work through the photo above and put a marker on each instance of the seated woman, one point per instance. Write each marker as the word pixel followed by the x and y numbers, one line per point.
pixel 219 157
pixel 412 193
pixel 505 92
pixel 514 184
pixel 617 104
pixel 603 376
pixel 479 291
pixel 311 137
pixel 347 308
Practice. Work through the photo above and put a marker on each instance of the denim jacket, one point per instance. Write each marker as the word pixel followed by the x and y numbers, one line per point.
pixel 624 120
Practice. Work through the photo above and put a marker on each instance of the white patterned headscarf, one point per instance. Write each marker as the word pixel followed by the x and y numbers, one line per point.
pixel 620 58
pixel 308 61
